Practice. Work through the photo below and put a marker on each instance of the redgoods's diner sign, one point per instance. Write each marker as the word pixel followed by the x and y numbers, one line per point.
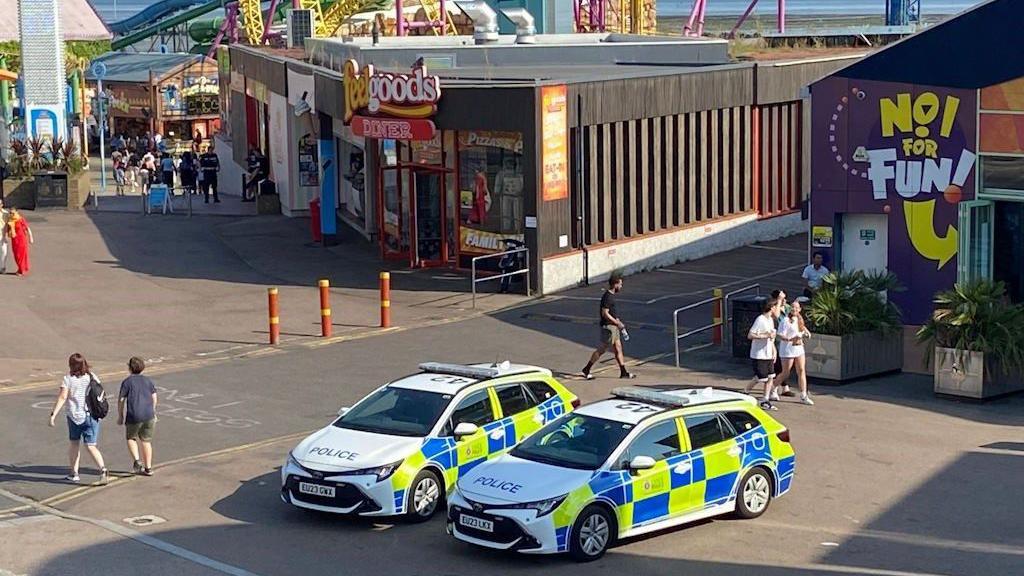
pixel 391 106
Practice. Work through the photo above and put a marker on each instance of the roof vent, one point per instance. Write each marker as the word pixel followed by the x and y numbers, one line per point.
pixel 485 21
pixel 526 32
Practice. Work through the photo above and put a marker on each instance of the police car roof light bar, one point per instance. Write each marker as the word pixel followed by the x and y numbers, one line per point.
pixel 460 370
pixel 651 396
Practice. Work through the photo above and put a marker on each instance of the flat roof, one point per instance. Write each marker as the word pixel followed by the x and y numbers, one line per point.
pixel 136 66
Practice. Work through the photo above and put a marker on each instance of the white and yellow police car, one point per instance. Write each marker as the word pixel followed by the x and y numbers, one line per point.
pixel 400 449
pixel 641 461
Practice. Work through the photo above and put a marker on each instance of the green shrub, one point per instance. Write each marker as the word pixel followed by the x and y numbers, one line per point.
pixel 850 302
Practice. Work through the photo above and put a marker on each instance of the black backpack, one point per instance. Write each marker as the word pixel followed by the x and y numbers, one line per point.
pixel 96 399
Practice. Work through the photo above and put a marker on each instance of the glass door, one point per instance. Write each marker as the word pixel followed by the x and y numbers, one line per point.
pixel 431 249
pixel 976 232
pixel 394 213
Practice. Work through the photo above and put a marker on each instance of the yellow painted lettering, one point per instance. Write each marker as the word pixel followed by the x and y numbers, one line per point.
pixel 949 115
pixel 931 149
pixel 896 115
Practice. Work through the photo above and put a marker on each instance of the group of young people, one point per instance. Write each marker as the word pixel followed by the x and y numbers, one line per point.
pixel 196 172
pixel 777 349
pixel 82 397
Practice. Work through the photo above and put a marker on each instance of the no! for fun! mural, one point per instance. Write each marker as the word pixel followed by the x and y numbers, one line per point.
pixel 903 150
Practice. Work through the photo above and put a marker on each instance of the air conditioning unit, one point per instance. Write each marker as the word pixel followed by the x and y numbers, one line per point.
pixel 300 27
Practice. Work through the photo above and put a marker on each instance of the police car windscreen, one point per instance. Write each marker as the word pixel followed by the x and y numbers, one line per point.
pixel 396 411
pixel 574 441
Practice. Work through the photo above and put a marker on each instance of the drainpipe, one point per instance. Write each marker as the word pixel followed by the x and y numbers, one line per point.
pixel 581 224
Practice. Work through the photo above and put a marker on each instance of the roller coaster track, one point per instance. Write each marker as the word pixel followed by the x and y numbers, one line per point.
pixel 432 10
pixel 252 20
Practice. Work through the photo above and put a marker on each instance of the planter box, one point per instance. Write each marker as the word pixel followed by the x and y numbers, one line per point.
pixel 20 193
pixel 78 189
pixel 844 358
pixel 966 374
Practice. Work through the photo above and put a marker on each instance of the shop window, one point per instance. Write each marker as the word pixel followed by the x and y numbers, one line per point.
pixel 1002 173
pixel 352 177
pixel 491 188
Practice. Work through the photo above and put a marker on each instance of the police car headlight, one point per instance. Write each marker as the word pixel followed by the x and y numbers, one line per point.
pixel 381 472
pixel 543 507
pixel 292 461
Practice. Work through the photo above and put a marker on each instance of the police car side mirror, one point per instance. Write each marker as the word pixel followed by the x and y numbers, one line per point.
pixel 465 429
pixel 641 463
pixel 344 410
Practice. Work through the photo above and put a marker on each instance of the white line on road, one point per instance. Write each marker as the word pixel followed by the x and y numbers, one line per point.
pixel 777 249
pixel 712 274
pixel 134 535
pixel 734 283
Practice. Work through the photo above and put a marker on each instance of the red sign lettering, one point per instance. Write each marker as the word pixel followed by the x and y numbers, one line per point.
pixel 393 129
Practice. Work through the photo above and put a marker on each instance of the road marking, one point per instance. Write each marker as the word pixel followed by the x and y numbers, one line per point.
pixel 225 405
pixel 733 283
pixel 134 535
pixel 592 321
pixel 81 490
pixel 776 248
pixel 674 271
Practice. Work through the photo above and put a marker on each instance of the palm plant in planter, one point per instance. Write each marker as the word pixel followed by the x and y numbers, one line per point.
pixel 856 328
pixel 977 337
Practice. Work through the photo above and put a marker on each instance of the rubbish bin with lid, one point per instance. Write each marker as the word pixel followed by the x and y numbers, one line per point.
pixel 744 310
pixel 51 189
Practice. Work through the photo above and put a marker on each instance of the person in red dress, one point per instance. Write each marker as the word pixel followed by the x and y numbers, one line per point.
pixel 21 236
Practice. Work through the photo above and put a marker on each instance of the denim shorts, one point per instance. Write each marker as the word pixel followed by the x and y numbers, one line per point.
pixel 88 431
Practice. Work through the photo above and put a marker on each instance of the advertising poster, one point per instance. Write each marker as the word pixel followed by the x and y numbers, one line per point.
pixel 309 172
pixel 905 151
pixel 555 138
pixel 821 236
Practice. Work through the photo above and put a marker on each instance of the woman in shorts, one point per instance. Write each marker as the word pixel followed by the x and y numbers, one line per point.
pixel 82 427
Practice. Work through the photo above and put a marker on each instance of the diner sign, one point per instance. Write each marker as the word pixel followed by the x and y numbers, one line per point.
pixel 403 96
pixel 393 128
pixel 555 142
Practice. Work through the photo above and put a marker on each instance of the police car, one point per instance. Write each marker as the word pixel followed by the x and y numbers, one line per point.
pixel 642 461
pixel 400 449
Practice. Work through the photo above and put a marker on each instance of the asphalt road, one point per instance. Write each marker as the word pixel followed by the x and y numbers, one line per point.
pixel 890 480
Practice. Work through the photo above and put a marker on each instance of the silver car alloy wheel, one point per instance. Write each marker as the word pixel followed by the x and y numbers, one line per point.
pixel 756 493
pixel 425 496
pixel 594 534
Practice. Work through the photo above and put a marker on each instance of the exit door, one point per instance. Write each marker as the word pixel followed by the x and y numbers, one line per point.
pixel 430 222
pixel 865 242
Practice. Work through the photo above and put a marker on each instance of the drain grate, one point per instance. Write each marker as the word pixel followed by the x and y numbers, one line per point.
pixel 147 520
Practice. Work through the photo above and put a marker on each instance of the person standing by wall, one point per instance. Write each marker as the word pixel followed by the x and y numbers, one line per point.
pixel 136 410
pixel 210 165
pixel 82 427
pixel 812 275
pixel 613 331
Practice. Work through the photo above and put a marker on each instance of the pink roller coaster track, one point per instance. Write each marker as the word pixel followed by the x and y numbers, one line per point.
pixel 590 16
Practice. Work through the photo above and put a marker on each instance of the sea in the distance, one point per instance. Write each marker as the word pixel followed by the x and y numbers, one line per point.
pixel 114 10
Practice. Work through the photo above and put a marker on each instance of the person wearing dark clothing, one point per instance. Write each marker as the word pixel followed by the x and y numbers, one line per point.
pixel 187 170
pixel 259 169
pixel 613 331
pixel 136 410
pixel 209 163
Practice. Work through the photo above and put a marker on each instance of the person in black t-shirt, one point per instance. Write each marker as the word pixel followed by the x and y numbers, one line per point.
pixel 209 163
pixel 612 330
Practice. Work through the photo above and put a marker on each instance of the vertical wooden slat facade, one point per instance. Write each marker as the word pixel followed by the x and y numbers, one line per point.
pixel 781 153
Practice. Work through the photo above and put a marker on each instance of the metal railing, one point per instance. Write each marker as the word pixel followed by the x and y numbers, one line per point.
pixel 524 270
pixel 717 321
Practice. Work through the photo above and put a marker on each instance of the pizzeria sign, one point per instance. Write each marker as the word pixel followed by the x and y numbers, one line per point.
pixel 390 106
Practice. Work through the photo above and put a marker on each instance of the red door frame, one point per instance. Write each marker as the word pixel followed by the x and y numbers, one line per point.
pixel 411 254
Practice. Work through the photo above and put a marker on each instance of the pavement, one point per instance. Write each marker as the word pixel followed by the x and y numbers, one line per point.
pixel 891 481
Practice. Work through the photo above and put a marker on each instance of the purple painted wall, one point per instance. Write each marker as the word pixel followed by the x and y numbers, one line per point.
pixel 898 149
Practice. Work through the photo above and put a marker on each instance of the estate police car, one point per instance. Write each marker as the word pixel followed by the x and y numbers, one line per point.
pixel 401 448
pixel 642 461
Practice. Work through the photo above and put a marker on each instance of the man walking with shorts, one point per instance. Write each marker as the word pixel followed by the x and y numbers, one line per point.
pixel 762 350
pixel 136 409
pixel 613 331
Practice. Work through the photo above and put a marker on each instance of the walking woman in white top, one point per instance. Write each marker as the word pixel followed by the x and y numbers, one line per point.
pixel 792 333
pixel 82 427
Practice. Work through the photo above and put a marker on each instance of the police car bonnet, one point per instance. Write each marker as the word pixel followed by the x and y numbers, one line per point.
pixel 342 449
pixel 511 479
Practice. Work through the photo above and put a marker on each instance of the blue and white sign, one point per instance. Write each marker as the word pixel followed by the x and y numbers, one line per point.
pixel 159 198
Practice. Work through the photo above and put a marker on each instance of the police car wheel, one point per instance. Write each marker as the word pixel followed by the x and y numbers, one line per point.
pixel 591 534
pixel 425 494
pixel 755 493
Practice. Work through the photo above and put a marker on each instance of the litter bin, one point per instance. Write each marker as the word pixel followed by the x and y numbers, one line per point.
pixel 267 201
pixel 744 310
pixel 314 220
pixel 51 189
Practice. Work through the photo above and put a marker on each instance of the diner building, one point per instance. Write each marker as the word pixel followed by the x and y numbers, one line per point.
pixel 597 152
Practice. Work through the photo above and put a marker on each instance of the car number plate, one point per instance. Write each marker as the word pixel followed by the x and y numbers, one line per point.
pixel 316 489
pixel 477 523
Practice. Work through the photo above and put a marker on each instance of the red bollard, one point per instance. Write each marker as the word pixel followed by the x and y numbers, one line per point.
pixel 716 317
pixel 325 308
pixel 385 299
pixel 275 320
